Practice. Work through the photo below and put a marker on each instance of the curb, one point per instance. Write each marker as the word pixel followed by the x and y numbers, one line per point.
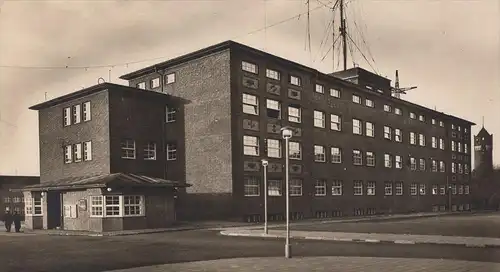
pixel 372 241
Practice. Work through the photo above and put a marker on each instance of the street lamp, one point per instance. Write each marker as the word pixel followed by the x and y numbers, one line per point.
pixel 265 163
pixel 286 132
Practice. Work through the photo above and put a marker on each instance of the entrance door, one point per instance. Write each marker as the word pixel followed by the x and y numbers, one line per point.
pixel 54 210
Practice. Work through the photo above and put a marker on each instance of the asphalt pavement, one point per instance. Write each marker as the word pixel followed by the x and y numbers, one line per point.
pixel 34 253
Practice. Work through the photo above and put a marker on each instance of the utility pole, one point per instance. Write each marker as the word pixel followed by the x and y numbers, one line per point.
pixel 333 38
pixel 343 33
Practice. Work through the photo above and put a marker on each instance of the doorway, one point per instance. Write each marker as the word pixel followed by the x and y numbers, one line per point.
pixel 54 210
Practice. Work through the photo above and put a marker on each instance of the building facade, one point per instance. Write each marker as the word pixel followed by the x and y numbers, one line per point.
pixel 14 201
pixel 356 149
pixel 483 152
pixel 103 161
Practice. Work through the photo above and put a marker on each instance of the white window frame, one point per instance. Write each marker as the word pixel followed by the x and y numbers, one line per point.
pixel 398 135
pixel 274 148
pixel 413 163
pixel 250 145
pixel 399 188
pixel 441 123
pixel 466 189
pixel 357 127
pixel 319 89
pixel 422 189
pixel 141 85
pixel 86 111
pixel 294 114
pixel 387 133
pixel 319 153
pixel 421 139
pixel 320 187
pixel 337 188
pixel 155 83
pixel 273 74
pixel 434 166
pixel 442 166
pixel 421 164
pixel 128 149
pixel 335 122
pixel 398 111
pixel 387 108
pixel 274 187
pixel 433 121
pixel 357 188
pixel 296 187
pixel 170 114
pixel 357 157
pixel 76 111
pixel 335 93
pixel 250 104
pixel 251 186
pixel 387 160
pixel 99 206
pixel 369 103
pixel 68 154
pixel 170 78
pixel 77 152
pixel 388 188
pixel 336 156
pixel 369 129
pixel 434 142
pixel 441 143
pixel 356 99
pixel 399 161
pixel 87 151
pixel 413 115
pixel 413 138
pixel 294 150
pixel 249 67
pixel 435 190
pixel 274 105
pixel 371 188
pixel 28 206
pixel 319 119
pixel 150 151
pixel 370 158
pixel 413 189
pixel 421 118
pixel 171 151
pixel 67 116
pixel 37 205
pixel 295 80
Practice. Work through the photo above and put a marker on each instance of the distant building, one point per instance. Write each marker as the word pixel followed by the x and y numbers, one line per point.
pixel 103 161
pixel 483 151
pixel 486 179
pixel 14 201
pixel 356 149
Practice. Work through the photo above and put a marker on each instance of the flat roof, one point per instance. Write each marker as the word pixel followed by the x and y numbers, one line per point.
pixel 235 45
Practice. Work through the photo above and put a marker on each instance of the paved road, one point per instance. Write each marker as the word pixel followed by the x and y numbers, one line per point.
pixel 476 226
pixel 77 253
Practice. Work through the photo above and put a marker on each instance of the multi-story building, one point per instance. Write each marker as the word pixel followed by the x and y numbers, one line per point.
pixel 356 149
pixel 14 201
pixel 104 152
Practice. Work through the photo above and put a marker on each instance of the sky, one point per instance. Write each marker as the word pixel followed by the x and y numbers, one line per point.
pixel 450 49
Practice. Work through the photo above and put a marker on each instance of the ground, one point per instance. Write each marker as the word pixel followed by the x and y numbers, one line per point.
pixel 464 225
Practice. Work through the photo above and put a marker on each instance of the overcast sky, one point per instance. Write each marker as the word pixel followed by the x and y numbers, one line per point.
pixel 450 49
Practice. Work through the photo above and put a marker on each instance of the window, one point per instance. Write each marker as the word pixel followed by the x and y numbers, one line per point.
pixel 421 139
pixel 336 155
pixel 422 164
pixel 320 88
pixel 128 149
pixel 413 115
pixel 413 139
pixel 466 168
pixel 441 123
pixel 273 109
pixel 249 67
pixel 337 187
pixel 387 108
pixel 387 160
pixel 399 162
pixel 434 189
pixel 77 111
pixel 466 189
pixel 421 118
pixel 86 111
pixel 466 148
pixel 433 121
pixel 116 206
pixel 274 187
pixel 96 206
pixel 454 189
pixel 295 150
pixel 358 187
pixel 294 80
pixel 87 151
pixel 37 205
pixel 150 151
pixel 170 114
pixel 319 153
pixel 423 190
pixel 141 85
pixel 398 111
pixel 295 187
pixel 67 154
pixel 398 136
pixel 67 116
pixel 335 93
pixel 357 127
pixel 459 147
pixel 319 119
pixel 77 152
pixel 28 206
pixel 399 188
pixel 251 186
pixel 370 129
pixel 369 103
pixel 132 205
pixel 461 190
pixel 453 146
pixel 112 206
pixel 6 200
pixel 370 188
pixel 356 99
pixel 434 166
pixel 460 169
pixel 273 148
pixel 250 104
pixel 357 157
pixel 442 167
pixel 370 159
pixel 453 126
pixel 320 188
pixel 387 133
pixel 413 189
pixel 16 199
pixel 250 145
pixel 434 142
pixel 273 74
pixel 413 164
pixel 453 167
pixel 155 83
pixel 441 143
pixel 388 188
pixel 294 114
pixel 335 122
pixel 170 78
pixel 442 190
pixel 171 152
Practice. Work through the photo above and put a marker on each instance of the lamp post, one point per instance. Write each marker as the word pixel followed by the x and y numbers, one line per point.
pixel 264 164
pixel 286 132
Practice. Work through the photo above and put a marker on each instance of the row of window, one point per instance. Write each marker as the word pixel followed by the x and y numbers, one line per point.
pixel 274 188
pixel 117 206
pixel 128 150
pixel 335 92
pixel 154 83
pixel 273 109
pixel 15 199
pixel 76 114
pixel 17 209
pixel 78 152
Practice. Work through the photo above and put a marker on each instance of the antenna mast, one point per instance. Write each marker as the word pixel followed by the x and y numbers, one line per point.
pixel 343 32
pixel 396 91
pixel 333 38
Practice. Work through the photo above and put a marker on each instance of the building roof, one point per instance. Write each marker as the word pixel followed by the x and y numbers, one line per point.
pixel 234 45
pixel 103 181
pixel 483 132
pixel 99 88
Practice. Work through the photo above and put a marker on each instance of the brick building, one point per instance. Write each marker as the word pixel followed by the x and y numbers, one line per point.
pixel 356 149
pixel 102 161
pixel 14 201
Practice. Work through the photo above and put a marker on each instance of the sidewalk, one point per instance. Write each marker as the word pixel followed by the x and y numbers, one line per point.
pixel 327 264
pixel 368 237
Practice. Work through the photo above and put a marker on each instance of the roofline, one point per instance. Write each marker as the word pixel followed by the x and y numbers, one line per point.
pixel 91 186
pixel 95 89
